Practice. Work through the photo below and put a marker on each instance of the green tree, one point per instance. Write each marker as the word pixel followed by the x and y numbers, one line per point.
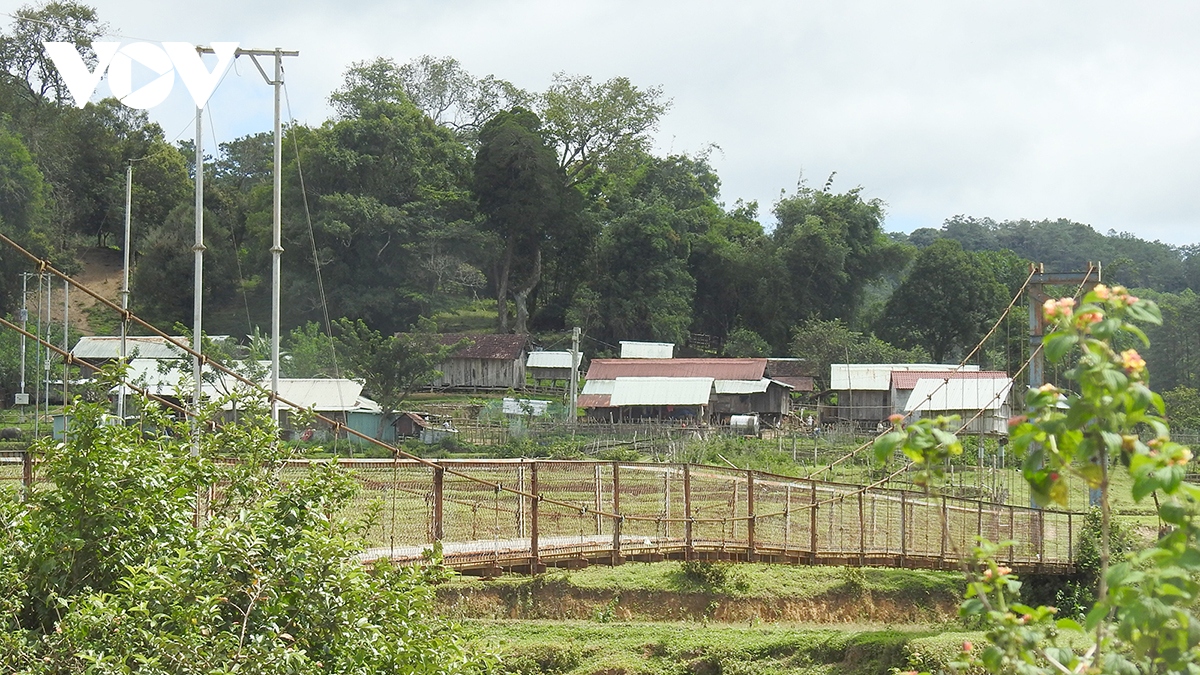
pixel 821 343
pixel 522 192
pixel 23 59
pixel 1183 407
pixel 589 122
pixel 309 352
pixel 948 301
pixel 743 343
pixel 391 366
pixel 831 246
pixel 104 570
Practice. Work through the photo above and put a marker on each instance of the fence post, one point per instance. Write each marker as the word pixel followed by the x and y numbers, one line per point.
pixel 812 523
pixel 945 532
pixel 616 507
pixel 903 528
pixel 521 501
pixel 534 556
pixel 599 506
pixel 1012 533
pixel 439 475
pixel 979 519
pixel 27 472
pixel 862 531
pixel 1070 540
pixel 750 545
pixel 688 541
pixel 787 519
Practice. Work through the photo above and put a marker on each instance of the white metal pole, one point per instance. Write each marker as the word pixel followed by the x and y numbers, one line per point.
pixel 46 363
pixel 573 412
pixel 125 285
pixel 24 317
pixel 66 339
pixel 198 281
pixel 276 241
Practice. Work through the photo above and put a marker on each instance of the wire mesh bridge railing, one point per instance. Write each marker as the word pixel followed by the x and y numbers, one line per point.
pixel 488 519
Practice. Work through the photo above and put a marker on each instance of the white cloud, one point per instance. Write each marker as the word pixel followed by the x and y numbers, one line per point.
pixel 1088 111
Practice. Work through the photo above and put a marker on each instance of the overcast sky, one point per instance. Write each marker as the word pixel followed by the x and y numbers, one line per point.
pixel 1081 110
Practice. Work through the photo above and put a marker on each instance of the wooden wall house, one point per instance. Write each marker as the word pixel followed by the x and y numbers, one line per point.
pixel 487 362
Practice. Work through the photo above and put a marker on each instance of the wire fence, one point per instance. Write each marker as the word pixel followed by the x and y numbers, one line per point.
pixel 523 514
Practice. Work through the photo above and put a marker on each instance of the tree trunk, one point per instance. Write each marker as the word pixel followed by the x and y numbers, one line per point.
pixel 521 295
pixel 502 289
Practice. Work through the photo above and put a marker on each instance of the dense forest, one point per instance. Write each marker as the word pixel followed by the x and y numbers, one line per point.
pixel 435 192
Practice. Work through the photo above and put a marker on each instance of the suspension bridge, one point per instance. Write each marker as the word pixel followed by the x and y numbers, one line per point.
pixel 522 515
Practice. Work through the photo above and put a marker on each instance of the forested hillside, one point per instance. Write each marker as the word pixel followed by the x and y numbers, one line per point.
pixel 434 191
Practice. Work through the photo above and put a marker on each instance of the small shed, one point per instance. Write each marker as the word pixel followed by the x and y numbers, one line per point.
pixel 768 398
pixel 487 362
pixel 101 350
pixel 864 389
pixel 982 403
pixel 553 366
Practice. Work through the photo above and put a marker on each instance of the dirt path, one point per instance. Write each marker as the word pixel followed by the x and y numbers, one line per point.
pixel 101 272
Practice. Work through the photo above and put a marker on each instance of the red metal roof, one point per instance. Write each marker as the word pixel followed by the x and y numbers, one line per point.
pixel 907 379
pixel 718 369
pixel 594 401
pixel 500 347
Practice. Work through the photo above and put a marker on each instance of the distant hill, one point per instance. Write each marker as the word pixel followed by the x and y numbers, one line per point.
pixel 1064 245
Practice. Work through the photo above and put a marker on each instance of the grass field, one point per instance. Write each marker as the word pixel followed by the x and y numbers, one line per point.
pixel 592 648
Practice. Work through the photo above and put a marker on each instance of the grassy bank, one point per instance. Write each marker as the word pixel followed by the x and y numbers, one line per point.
pixel 578 648
pixel 716 593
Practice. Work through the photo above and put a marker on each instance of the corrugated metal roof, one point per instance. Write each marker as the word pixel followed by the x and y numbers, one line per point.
pixel 877 376
pixel 717 369
pixel 552 359
pixel 599 386
pixel 321 394
pixel 491 347
pixel 937 395
pixel 594 401
pixel 777 368
pixel 907 379
pixel 647 350
pixel 143 346
pixel 661 391
pixel 741 386
pixel 797 382
pixel 525 406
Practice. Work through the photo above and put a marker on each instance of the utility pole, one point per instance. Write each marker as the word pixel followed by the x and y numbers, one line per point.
pixel 22 398
pixel 277 217
pixel 66 341
pixel 198 281
pixel 125 287
pixel 574 397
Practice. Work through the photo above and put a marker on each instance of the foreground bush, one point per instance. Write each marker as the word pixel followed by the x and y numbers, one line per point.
pixel 103 569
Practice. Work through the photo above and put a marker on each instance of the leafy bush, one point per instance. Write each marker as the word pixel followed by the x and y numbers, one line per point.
pixel 104 571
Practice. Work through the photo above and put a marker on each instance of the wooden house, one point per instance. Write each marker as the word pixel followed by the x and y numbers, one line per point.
pixel 552 366
pixel 486 362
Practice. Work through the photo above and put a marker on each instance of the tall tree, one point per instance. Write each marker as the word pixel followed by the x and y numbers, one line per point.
pixel 831 246
pixel 23 59
pixel 522 191
pixel 589 121
pixel 946 303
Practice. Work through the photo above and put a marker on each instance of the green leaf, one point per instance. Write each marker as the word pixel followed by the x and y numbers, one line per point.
pixel 1068 624
pixel 1056 345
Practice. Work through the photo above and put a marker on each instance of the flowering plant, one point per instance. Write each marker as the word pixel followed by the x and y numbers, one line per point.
pixel 1143 619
